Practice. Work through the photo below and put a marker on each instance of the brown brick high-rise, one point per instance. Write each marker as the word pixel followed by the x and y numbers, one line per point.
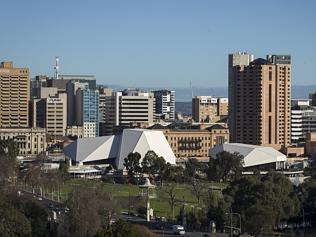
pixel 14 96
pixel 262 95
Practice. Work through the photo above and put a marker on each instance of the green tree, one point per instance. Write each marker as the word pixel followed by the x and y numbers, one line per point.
pixel 8 162
pixel 226 166
pixel 193 168
pixel 131 163
pixel 154 165
pixel 13 223
pixel 250 195
pixel 174 173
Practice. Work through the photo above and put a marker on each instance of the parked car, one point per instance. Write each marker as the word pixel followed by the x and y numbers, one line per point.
pixel 178 229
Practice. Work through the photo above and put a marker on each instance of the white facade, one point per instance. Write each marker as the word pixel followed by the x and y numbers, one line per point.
pixel 89 129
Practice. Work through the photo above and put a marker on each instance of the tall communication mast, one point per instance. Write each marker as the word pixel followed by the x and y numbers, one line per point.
pixel 56 68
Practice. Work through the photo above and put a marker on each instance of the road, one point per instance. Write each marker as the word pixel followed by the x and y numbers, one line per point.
pixel 159 227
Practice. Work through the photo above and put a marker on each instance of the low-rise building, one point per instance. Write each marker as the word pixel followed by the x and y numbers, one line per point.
pixel 189 141
pixel 75 131
pixel 254 156
pixel 31 141
pixel 310 146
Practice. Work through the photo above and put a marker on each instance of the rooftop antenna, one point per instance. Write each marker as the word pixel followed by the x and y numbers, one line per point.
pixel 191 89
pixel 56 68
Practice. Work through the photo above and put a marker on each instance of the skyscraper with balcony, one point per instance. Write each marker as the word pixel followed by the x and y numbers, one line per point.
pixel 14 96
pixel 165 104
pixel 260 100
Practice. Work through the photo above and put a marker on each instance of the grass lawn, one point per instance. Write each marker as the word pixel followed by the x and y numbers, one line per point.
pixel 124 193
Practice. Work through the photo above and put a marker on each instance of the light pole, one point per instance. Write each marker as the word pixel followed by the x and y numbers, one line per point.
pixel 147 185
pixel 231 221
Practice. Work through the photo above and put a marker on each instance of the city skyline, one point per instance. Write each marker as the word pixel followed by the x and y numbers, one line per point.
pixel 156 44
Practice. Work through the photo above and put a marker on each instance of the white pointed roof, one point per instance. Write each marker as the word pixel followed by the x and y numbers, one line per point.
pixel 92 149
pixel 119 146
pixel 253 155
pixel 142 141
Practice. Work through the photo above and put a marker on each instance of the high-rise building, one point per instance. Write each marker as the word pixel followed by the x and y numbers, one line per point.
pixel 136 106
pixel 128 107
pixel 260 100
pixel 61 83
pixel 14 96
pixel 165 105
pixel 303 120
pixel 51 113
pixel 208 109
pixel 104 93
pixel 87 111
pixel 312 96
pixel 71 88
pixel 236 59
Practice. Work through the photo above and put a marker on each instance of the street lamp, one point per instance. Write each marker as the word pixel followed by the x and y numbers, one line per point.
pixel 231 221
pixel 147 185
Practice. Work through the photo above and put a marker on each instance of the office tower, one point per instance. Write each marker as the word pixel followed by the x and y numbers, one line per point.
pixel 87 111
pixel 36 84
pixel 136 106
pixel 128 108
pixel 14 96
pixel 303 120
pixel 165 105
pixel 259 100
pixel 110 115
pixel 104 94
pixel 51 113
pixel 236 59
pixel 71 89
pixel 61 83
pixel 312 96
pixel 208 109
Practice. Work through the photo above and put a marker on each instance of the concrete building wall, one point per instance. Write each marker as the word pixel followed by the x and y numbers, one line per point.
pixel 195 143
pixel 310 147
pixel 262 97
pixel 14 96
pixel 136 108
pixel 209 109
pixel 31 141
pixel 51 113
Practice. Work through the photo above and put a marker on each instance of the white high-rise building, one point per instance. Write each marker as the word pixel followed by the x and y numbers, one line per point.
pixel 165 104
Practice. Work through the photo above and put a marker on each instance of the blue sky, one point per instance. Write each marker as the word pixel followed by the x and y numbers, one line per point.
pixel 156 43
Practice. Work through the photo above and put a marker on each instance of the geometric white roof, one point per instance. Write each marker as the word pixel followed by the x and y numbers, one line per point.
pixel 142 141
pixel 253 155
pixel 93 149
pixel 118 147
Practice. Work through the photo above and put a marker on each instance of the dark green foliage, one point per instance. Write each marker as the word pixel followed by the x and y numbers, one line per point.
pixel 123 228
pixel 193 168
pixel 154 165
pixel 13 223
pixel 226 166
pixel 259 197
pixel 132 165
pixel 8 153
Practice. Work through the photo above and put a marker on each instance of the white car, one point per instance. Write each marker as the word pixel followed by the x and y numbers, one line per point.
pixel 178 229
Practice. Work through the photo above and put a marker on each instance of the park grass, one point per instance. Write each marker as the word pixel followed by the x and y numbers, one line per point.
pixel 160 203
